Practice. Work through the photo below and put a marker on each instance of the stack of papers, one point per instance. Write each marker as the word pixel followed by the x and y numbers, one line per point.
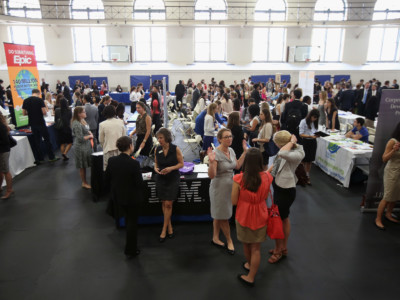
pixel 201 168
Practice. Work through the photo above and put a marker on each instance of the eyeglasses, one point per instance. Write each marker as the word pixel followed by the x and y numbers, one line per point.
pixel 227 137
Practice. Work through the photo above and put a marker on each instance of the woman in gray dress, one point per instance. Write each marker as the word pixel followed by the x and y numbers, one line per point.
pixel 82 143
pixel 222 161
pixel 323 97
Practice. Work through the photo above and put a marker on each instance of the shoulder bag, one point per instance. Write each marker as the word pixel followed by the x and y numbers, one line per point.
pixel 274 223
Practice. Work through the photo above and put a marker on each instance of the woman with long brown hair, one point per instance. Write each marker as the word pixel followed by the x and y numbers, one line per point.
pixel 332 117
pixel 249 191
pixel 144 141
pixel 82 143
pixel 265 134
pixel 5 157
pixel 237 133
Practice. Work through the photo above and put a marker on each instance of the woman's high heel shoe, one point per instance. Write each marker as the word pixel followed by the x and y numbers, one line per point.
pixel 7 195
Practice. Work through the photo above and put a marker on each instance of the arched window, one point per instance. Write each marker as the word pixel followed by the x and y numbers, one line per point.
pixel 210 10
pixel 149 10
pixel 267 10
pixel 384 41
pixel 29 35
pixel 24 8
pixel 87 9
pixel 329 10
pixel 330 40
pixel 269 43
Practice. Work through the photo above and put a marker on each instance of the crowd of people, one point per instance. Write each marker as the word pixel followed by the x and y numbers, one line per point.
pixel 254 123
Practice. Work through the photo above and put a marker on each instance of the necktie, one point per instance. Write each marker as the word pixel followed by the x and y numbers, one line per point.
pixel 364 99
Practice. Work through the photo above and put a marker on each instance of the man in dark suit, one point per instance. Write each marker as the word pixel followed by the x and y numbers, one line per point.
pixel 294 112
pixel 395 85
pixel 196 95
pixel 363 99
pixel 127 190
pixel 255 94
pixel 347 98
pixel 179 91
pixel 67 92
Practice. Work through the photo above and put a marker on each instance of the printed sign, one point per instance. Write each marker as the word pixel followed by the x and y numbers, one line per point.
pixel 24 76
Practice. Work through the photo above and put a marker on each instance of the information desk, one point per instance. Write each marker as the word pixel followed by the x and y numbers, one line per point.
pixel 337 155
pixel 193 201
pixel 347 117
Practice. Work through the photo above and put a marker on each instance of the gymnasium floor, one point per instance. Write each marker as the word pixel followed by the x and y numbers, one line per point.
pixel 55 243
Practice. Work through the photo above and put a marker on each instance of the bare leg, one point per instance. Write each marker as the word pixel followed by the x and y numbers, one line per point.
pixel 167 217
pixel 255 262
pixel 8 178
pixel 247 254
pixel 379 213
pixel 67 148
pixel 227 232
pixel 82 173
pixel 62 148
pixel 389 211
pixel 216 229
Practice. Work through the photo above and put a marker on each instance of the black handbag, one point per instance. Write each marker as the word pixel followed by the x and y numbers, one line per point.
pixel 13 142
pixel 271 148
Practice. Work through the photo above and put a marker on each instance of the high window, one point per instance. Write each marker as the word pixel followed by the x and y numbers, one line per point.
pixel 269 43
pixel 87 9
pixel 149 10
pixel 23 8
pixel 210 10
pixel 384 40
pixel 330 40
pixel 32 35
pixel 210 44
pixel 150 44
pixel 88 43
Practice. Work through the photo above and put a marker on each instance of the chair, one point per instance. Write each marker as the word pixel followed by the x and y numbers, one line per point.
pixel 371 139
pixel 192 143
pixel 371 130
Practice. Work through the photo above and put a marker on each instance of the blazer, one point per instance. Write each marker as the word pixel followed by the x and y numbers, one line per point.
pixel 92 116
pixel 256 96
pixel 109 132
pixel 347 100
pixel 285 176
pixel 67 94
pixel 124 177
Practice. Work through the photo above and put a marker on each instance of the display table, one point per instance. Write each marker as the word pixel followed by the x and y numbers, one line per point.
pixel 347 117
pixel 337 155
pixel 120 97
pixel 21 156
pixel 193 203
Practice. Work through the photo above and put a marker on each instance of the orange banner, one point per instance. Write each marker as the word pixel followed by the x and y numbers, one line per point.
pixel 24 76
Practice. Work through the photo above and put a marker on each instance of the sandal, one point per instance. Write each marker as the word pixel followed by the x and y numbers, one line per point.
pixel 275 258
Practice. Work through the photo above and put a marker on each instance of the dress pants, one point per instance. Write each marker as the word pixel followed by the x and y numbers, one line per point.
pixel 39 132
pixel 131 218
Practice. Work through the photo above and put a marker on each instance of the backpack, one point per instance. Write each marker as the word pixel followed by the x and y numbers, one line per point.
pixel 293 120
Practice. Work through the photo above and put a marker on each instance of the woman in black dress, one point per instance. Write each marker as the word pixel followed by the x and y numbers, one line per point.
pixel 168 161
pixel 64 133
pixel 332 117
pixel 142 130
pixel 237 133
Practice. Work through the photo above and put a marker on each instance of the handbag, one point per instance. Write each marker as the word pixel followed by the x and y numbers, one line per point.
pixel 13 142
pixel 271 148
pixel 274 223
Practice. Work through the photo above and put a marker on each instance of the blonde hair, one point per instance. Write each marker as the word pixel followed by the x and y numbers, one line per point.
pixel 324 96
pixel 210 110
pixel 281 138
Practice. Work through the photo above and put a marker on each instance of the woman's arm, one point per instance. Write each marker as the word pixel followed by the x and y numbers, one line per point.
pixel 266 131
pixel 391 148
pixel 212 163
pixel 78 133
pixel 235 193
pixel 240 161
pixel 254 125
pixel 334 120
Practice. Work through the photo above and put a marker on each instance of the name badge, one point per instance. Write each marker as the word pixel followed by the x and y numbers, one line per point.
pixel 160 151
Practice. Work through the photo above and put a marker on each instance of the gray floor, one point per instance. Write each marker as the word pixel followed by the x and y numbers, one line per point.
pixel 55 243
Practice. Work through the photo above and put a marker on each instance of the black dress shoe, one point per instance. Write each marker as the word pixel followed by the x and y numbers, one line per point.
pixel 218 245
pixel 162 239
pixel 379 227
pixel 231 252
pixel 248 283
pixel 244 266
pixel 130 256
pixel 170 235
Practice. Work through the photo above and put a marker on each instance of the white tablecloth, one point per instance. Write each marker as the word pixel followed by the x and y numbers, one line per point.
pixel 337 156
pixel 347 117
pixel 21 156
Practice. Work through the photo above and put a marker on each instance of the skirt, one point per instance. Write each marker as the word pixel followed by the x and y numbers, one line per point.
pixel 4 162
pixel 168 186
pixel 310 149
pixel 249 236
pixel 207 141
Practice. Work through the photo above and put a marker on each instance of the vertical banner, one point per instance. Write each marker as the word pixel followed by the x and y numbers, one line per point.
pixel 389 116
pixel 306 82
pixel 24 76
